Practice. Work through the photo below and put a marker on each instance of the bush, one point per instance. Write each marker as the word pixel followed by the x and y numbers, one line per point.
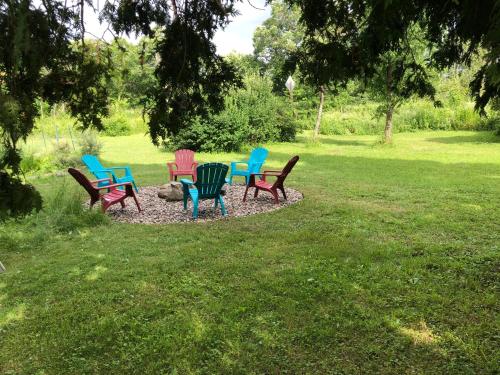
pixel 226 131
pixel 89 144
pixel 17 198
pixel 63 157
pixel 31 163
pixel 252 115
pixel 116 125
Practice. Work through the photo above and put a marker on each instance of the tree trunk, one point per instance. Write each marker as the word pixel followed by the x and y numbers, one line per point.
pixel 320 111
pixel 390 106
pixel 388 125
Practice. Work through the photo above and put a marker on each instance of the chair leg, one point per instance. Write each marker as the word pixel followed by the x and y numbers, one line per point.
pixel 135 187
pixel 122 203
pixel 185 197
pixel 137 203
pixel 275 195
pixel 222 207
pixel 245 195
pixel 256 192
pixel 195 208
pixel 283 191
pixel 104 206
pixel 216 202
pixel 230 179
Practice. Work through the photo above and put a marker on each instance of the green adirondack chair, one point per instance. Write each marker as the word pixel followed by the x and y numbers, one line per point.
pixel 210 178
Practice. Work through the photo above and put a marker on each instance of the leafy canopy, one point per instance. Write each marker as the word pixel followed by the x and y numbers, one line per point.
pixel 348 38
pixel 191 79
pixel 42 55
pixel 277 40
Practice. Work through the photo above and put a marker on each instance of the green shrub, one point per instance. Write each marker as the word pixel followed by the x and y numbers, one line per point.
pixel 253 115
pixel 63 157
pixel 89 144
pixel 116 125
pixel 226 131
pixel 31 163
pixel 17 198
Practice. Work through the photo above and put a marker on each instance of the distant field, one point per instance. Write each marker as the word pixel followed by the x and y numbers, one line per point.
pixel 389 265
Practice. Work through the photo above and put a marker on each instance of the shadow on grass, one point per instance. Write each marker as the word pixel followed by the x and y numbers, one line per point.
pixel 475 137
pixel 345 142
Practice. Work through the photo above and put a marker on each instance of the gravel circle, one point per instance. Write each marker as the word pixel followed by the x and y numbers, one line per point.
pixel 160 211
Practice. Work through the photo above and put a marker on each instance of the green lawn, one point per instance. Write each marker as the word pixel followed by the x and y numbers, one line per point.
pixel 389 265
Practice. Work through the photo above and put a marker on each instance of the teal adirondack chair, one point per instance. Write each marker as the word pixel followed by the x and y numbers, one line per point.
pixel 96 168
pixel 254 163
pixel 210 178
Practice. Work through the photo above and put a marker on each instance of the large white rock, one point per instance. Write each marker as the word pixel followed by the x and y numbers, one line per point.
pixel 171 191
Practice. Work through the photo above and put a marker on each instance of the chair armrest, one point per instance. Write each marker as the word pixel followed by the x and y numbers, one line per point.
pixel 272 171
pixel 128 171
pixel 101 180
pixel 185 181
pixel 267 173
pixel 194 165
pixel 114 185
pixel 106 170
pixel 171 166
pixel 264 174
pixel 234 163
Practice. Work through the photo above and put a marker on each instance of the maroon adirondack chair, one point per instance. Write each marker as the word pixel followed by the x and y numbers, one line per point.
pixel 184 165
pixel 264 184
pixel 109 198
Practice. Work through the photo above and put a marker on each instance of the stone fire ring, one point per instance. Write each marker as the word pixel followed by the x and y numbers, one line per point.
pixel 160 211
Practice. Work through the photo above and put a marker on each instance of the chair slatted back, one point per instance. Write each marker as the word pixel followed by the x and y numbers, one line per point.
pixel 257 158
pixel 184 159
pixel 85 182
pixel 94 166
pixel 288 168
pixel 210 178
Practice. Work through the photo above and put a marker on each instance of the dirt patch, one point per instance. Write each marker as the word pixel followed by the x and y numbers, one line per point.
pixel 159 211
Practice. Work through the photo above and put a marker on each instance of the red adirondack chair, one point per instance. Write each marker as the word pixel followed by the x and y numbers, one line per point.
pixel 113 195
pixel 263 184
pixel 184 165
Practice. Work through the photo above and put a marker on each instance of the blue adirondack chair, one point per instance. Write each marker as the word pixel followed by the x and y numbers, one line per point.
pixel 254 163
pixel 210 178
pixel 96 168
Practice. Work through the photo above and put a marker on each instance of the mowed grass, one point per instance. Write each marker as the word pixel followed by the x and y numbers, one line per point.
pixel 389 265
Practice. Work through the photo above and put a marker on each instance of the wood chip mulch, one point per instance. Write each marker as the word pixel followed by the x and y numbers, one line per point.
pixel 160 211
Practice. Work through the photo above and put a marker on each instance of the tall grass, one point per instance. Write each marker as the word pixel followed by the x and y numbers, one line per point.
pixel 58 124
pixel 413 116
pixel 63 212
